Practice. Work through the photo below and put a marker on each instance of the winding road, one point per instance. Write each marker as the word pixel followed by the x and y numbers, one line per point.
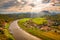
pixel 20 34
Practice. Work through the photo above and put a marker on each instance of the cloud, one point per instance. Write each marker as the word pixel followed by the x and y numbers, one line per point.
pixel 12 4
pixel 23 5
pixel 7 5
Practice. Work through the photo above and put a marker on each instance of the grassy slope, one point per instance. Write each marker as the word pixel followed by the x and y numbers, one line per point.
pixel 41 34
pixel 6 35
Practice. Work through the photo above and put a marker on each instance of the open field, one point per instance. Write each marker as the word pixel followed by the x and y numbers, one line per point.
pixel 45 35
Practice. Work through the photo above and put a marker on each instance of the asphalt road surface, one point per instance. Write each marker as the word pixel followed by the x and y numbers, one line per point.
pixel 20 34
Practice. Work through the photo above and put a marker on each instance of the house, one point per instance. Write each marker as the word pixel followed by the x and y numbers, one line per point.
pixel 46 28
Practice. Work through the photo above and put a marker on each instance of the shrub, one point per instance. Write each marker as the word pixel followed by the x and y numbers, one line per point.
pixel 1 31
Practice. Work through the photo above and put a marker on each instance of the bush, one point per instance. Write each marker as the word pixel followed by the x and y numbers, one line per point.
pixel 10 38
pixel 1 31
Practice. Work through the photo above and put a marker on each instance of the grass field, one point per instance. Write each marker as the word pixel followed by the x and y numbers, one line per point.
pixel 50 35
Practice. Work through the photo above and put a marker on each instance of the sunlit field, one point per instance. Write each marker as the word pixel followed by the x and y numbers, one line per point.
pixel 40 27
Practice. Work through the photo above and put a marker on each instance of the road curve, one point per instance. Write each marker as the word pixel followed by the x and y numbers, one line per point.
pixel 20 34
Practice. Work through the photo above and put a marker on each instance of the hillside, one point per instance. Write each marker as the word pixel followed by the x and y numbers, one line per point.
pixel 47 28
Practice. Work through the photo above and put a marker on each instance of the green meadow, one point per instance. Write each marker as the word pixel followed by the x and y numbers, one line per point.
pixel 43 34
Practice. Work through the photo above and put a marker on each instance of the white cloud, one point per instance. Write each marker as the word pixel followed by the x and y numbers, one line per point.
pixel 23 5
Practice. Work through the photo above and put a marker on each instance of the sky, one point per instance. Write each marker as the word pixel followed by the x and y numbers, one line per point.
pixel 27 5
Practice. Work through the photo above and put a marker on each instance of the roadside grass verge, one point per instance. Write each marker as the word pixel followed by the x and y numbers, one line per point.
pixel 7 33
